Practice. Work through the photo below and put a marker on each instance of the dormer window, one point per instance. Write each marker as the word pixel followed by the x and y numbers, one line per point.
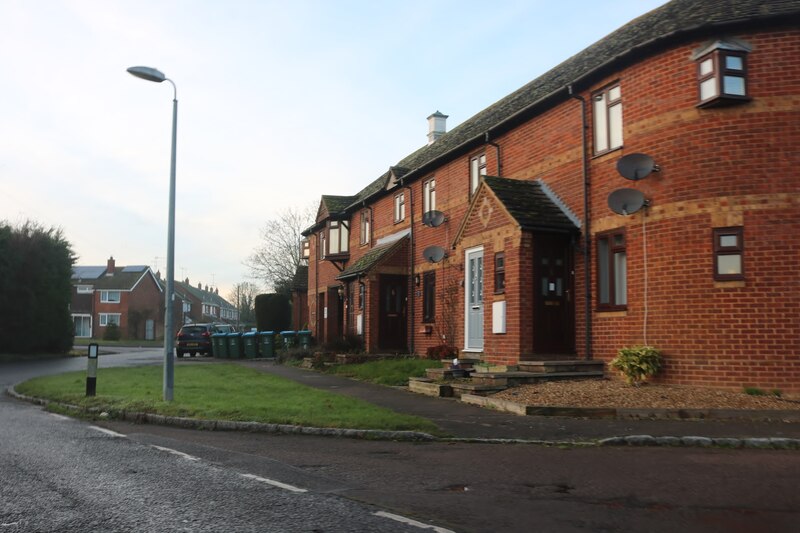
pixel 338 237
pixel 722 73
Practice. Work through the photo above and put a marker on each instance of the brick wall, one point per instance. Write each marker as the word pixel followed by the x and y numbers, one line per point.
pixel 729 166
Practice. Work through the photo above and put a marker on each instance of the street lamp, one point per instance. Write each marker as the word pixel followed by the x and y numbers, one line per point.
pixel 151 74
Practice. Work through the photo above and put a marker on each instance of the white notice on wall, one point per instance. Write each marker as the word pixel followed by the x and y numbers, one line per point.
pixel 325 313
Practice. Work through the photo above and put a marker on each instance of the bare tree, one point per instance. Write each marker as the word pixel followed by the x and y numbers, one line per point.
pixel 243 296
pixel 275 261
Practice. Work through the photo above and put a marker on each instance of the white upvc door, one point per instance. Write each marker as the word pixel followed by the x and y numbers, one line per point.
pixel 473 313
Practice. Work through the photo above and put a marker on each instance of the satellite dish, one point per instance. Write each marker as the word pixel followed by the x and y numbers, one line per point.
pixel 626 201
pixel 433 218
pixel 636 166
pixel 434 254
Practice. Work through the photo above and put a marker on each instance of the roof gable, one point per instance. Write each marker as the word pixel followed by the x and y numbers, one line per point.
pixel 525 204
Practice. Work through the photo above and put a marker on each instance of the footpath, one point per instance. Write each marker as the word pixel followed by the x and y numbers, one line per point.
pixel 470 422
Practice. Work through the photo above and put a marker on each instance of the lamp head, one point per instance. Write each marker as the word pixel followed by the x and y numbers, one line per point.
pixel 147 73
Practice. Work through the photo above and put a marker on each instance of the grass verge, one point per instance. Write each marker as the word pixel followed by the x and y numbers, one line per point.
pixel 136 343
pixel 393 372
pixel 222 392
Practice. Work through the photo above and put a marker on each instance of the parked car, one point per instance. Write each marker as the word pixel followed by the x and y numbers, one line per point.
pixel 196 338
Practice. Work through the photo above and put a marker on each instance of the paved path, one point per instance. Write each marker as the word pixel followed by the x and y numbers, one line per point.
pixel 471 422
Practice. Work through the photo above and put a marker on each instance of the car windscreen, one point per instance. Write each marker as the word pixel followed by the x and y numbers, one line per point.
pixel 193 330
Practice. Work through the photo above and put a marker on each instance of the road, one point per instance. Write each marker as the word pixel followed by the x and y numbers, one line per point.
pixel 157 478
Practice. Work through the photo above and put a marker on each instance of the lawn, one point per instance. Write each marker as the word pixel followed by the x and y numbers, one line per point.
pixel 393 372
pixel 222 392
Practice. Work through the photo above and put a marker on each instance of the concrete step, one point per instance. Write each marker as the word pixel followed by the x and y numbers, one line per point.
pixel 570 365
pixel 510 379
pixel 447 373
pixel 475 388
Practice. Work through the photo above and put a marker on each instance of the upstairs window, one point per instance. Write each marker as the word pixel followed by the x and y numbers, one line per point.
pixel 305 249
pixel 607 111
pixel 429 195
pixel 722 73
pixel 728 254
pixel 321 247
pixel 612 271
pixel 109 297
pixel 365 223
pixel 477 168
pixel 338 237
pixel 400 207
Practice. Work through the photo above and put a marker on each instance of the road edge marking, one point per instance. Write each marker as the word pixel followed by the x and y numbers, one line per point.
pixel 108 432
pixel 411 522
pixel 274 483
pixel 175 452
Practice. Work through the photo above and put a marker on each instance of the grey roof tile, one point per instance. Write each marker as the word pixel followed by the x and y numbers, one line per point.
pixel 673 20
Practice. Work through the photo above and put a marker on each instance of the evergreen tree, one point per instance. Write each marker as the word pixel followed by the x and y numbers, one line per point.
pixel 35 290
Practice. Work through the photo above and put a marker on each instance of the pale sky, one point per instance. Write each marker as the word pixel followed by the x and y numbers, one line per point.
pixel 279 103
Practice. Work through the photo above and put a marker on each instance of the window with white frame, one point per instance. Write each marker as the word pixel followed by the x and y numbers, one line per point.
pixel 338 237
pixel 400 207
pixel 607 111
pixel 429 195
pixel 477 168
pixel 109 297
pixel 85 289
pixel 109 318
pixel 365 223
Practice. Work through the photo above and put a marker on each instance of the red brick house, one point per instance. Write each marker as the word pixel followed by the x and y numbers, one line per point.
pixel 204 304
pixel 130 297
pixel 644 191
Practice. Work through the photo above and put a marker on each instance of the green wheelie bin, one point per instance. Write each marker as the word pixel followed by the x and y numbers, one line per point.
pixel 304 339
pixel 219 345
pixel 235 348
pixel 288 338
pixel 266 342
pixel 250 344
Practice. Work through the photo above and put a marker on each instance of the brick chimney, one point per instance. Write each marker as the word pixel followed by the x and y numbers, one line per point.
pixel 110 267
pixel 436 126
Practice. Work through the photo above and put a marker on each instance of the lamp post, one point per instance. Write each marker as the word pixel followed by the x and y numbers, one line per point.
pixel 151 74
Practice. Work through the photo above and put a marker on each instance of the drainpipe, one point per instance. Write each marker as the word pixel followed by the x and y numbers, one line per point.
pixel 497 154
pixel 412 300
pixel 587 244
pixel 316 289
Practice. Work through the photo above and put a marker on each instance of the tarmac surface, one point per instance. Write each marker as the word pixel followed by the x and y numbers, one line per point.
pixel 464 421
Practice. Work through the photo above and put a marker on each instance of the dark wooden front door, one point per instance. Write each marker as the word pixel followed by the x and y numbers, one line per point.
pixel 554 308
pixel 392 333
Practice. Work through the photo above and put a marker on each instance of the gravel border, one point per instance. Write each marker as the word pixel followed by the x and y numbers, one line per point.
pixel 756 415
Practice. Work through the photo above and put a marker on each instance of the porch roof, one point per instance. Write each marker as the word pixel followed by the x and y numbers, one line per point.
pixel 371 259
pixel 529 205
